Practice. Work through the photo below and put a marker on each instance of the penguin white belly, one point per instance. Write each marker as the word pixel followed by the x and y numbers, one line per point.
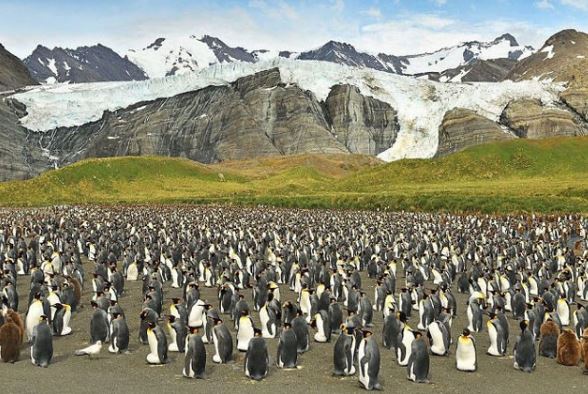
pixel 351 368
pixel 153 356
pixel 216 358
pixel 363 372
pixel 305 305
pixel 173 344
pixel 492 333
pixel 470 319
pixel 132 272
pixel 174 274
pixel 320 334
pixel 407 339
pixel 466 355
pixel 421 326
pixel 264 319
pixel 563 311
pixel 244 334
pixel 196 316
pixel 33 317
pixel 66 330
pixel 438 346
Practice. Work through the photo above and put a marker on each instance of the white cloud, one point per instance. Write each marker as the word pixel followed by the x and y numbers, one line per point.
pixel 439 3
pixel 580 4
pixel 544 5
pixel 373 12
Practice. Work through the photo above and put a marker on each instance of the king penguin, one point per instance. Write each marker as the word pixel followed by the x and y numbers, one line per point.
pixel 323 327
pixel 287 356
pixel 157 344
pixel 497 335
pixel 34 315
pixel 177 333
pixel 524 350
pixel 61 319
pixel 195 359
pixel 405 339
pixel 42 343
pixel 439 335
pixel 344 352
pixel 257 357
pixel 368 358
pixel 300 327
pixel 245 331
pixel 99 327
pixel 465 355
pixel 223 342
pixel 119 334
pixel 419 361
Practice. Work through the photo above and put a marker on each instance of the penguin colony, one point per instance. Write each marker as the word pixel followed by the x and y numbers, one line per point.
pixel 530 270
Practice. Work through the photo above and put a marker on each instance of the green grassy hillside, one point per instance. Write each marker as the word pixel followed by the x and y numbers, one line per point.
pixel 514 176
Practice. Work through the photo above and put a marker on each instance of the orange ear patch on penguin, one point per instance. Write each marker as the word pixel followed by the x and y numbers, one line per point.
pixel 568 349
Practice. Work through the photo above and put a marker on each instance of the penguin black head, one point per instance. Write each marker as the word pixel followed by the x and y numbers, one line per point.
pixel 151 324
pixel 115 315
pixel 402 317
pixel 287 326
pixel 171 318
pixel 58 306
pixel 523 325
pixel 94 304
pixel 257 332
pixel 43 318
pixel 466 332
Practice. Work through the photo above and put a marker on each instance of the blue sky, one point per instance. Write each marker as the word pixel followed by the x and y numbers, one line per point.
pixel 391 26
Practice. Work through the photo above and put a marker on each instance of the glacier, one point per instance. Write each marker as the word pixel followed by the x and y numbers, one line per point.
pixel 421 104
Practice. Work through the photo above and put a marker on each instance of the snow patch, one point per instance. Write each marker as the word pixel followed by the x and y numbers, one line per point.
pixel 52 67
pixel 421 104
pixel 549 51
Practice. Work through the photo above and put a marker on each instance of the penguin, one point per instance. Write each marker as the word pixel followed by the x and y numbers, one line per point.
pixel 245 331
pixel 465 355
pixel 439 336
pixel 223 342
pixel 474 313
pixel 524 350
pixel 157 344
pixel 99 327
pixel 197 315
pixel 568 349
pixel 195 359
pixel 323 326
pixel 267 317
pixel 405 339
pixel 119 334
pixel 584 346
pixel 42 343
pixel 563 311
pixel 61 318
pixel 178 309
pixel 580 320
pixel 426 313
pixel 549 335
pixel 287 356
pixel 419 362
pixel 335 315
pixel 147 316
pixel 344 352
pixel 257 357
pixel 368 359
pixel 300 327
pixel 34 314
pixel 390 331
pixel 498 339
pixel 10 341
pixel 177 333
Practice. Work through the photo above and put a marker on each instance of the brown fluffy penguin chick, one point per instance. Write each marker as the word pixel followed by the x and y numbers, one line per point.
pixel 584 344
pixel 568 349
pixel 16 319
pixel 549 335
pixel 10 340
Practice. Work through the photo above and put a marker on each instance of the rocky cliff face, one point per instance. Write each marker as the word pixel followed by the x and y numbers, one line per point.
pixel 530 119
pixel 255 116
pixel 363 124
pixel 462 128
pixel 13 73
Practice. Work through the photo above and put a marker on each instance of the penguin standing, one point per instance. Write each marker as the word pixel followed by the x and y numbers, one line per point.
pixel 405 339
pixel 390 331
pixel 368 358
pixel 99 327
pixel 549 335
pixel 157 344
pixel 10 341
pixel 465 355
pixel 245 331
pixel 497 334
pixel 119 334
pixel 34 315
pixel 418 364
pixel 147 316
pixel 439 335
pixel 300 327
pixel 195 359
pixel 323 327
pixel 177 333
pixel 287 356
pixel 61 318
pixel 563 311
pixel 267 317
pixel 257 357
pixel 335 315
pixel 568 349
pixel 524 350
pixel 223 342
pixel 42 344
pixel 474 313
pixel 584 346
pixel 344 352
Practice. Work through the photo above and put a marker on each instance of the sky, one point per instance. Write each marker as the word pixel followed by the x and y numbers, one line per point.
pixel 397 27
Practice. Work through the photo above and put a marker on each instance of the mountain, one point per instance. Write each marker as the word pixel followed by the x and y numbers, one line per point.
pixel 563 58
pixel 164 57
pixel 478 70
pixel 13 73
pixel 84 64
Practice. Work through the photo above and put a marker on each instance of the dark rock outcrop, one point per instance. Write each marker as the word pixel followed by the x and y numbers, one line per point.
pixel 85 64
pixel 363 124
pixel 530 119
pixel 462 128
pixel 13 73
